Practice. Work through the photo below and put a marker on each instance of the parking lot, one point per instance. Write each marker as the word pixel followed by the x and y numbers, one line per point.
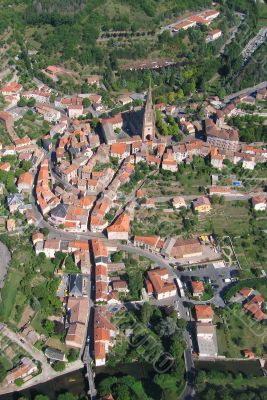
pixel 254 43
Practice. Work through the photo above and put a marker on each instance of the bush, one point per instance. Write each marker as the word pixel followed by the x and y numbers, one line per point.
pixel 19 382
pixel 73 355
pixel 59 366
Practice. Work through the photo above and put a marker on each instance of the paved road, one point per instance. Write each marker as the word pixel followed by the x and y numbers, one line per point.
pixel 36 354
pixel 4 261
pixel 228 197
pixel 247 91
pixel 179 302
pixel 48 372
pixel 254 44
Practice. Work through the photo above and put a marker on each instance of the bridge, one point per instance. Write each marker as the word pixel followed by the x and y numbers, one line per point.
pixel 89 373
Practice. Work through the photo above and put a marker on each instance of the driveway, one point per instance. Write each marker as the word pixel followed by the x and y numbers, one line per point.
pixel 4 261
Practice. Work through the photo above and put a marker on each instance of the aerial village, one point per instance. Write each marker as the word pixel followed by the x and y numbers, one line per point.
pixel 72 197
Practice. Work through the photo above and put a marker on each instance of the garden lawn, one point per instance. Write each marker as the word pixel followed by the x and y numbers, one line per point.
pixel 7 364
pixel 242 333
pixel 37 322
pixel 9 293
pixel 156 222
pixel 228 218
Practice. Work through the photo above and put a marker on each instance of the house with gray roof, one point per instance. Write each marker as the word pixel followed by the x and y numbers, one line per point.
pixel 75 285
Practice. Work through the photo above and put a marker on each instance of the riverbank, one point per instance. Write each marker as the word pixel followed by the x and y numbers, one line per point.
pixel 42 379
pixel 73 382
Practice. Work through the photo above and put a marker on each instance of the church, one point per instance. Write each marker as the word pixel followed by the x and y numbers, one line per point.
pixel 148 130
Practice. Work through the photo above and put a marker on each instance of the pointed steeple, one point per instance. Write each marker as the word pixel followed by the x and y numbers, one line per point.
pixel 148 132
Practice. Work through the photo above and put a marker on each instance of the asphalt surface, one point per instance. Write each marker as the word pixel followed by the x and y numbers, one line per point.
pixel 247 91
pixel 4 262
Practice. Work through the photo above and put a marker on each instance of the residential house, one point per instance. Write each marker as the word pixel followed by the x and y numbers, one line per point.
pixel 49 113
pixel 158 284
pixel 204 313
pixel 219 190
pixel 224 139
pixel 120 286
pixel 202 204
pixel 259 203
pixel 120 228
pixel 51 246
pixel 188 127
pixel 10 224
pixel 183 248
pixel 14 201
pixel 168 162
pixel 104 335
pixel 207 340
pixel 37 237
pixel 120 150
pixel 197 288
pixel 75 111
pixel 94 80
pixel 24 370
pixel 12 88
pixel 151 243
pixel 77 313
pixel 25 182
pixel 5 167
pixel 178 202
pixel 75 285
pixel 213 35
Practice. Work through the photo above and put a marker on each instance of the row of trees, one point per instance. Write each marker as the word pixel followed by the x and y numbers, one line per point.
pixel 163 330
pixel 219 385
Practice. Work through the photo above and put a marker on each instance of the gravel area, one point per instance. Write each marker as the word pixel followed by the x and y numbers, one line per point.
pixel 4 261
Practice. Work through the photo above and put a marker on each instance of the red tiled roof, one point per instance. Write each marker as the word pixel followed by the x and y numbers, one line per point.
pixel 203 311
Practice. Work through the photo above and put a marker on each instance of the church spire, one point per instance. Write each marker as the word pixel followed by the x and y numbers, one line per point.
pixel 148 132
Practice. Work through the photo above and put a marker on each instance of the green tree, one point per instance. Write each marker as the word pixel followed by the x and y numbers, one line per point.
pixel 19 382
pixel 73 355
pixel 49 326
pixel 45 231
pixel 86 102
pixel 59 366
pixel 31 102
pixel 122 392
pixel 67 396
pixel 106 384
pixel 165 381
pixel 167 327
pixel 22 102
pixel 146 313
pixel 3 372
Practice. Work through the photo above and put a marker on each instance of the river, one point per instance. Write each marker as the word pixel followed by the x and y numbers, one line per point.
pixel 73 382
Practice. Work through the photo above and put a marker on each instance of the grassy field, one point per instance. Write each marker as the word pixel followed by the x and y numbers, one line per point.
pixel 237 331
pixel 56 344
pixel 156 222
pixel 9 292
pixel 37 322
pixel 230 218
pixel 34 127
pixel 183 183
pixel 5 361
pixel 262 15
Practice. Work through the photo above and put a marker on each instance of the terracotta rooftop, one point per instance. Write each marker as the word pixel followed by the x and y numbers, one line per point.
pixel 203 311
